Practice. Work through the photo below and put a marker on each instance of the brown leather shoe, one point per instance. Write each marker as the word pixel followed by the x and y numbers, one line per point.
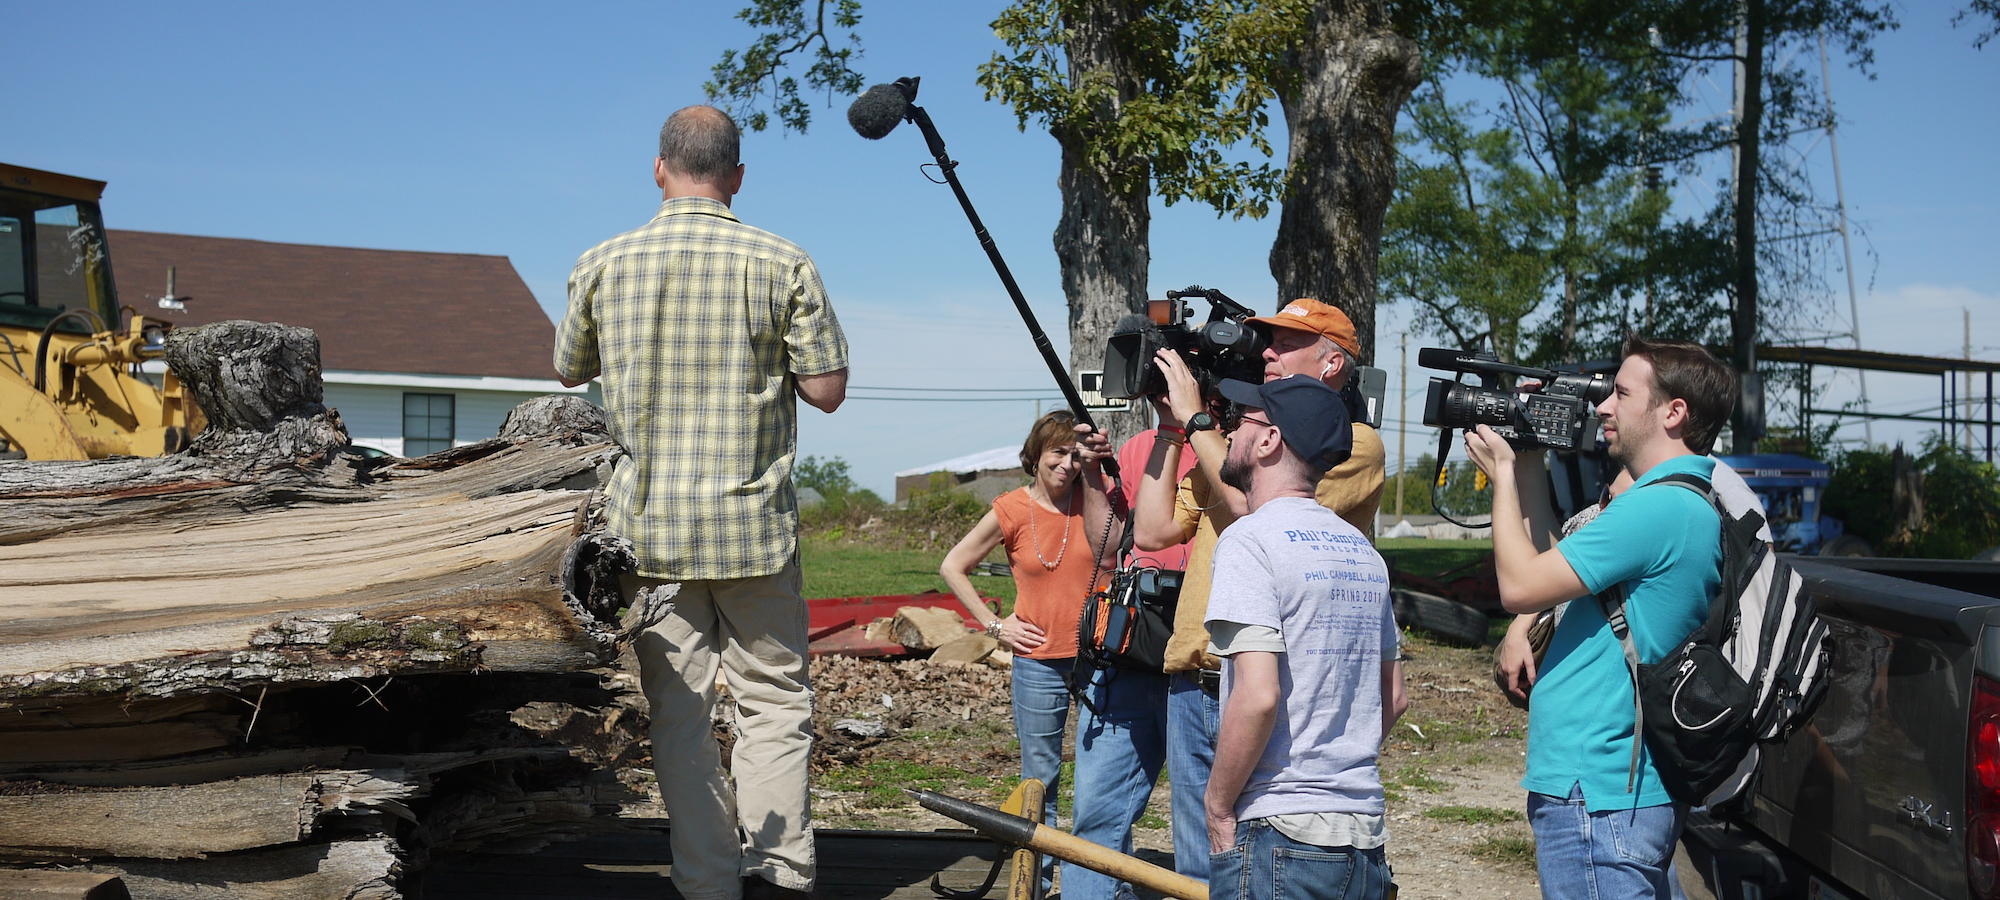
pixel 755 888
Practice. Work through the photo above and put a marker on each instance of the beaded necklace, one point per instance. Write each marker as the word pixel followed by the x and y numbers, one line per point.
pixel 1035 537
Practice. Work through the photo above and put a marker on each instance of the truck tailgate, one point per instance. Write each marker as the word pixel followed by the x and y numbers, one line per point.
pixel 1872 791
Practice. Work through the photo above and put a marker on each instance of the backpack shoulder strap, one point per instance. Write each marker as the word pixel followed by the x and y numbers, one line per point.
pixel 1612 602
pixel 1699 485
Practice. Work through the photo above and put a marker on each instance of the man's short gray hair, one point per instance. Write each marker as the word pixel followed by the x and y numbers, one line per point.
pixel 700 142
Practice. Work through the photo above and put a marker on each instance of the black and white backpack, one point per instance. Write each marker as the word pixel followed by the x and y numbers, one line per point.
pixel 1750 675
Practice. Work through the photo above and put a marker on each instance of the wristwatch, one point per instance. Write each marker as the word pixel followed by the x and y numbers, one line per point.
pixel 994 628
pixel 1200 421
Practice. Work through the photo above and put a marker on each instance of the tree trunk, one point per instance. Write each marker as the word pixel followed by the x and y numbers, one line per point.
pixel 1569 354
pixel 1101 240
pixel 1353 74
pixel 1743 321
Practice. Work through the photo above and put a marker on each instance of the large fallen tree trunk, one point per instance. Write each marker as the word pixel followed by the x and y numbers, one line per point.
pixel 267 666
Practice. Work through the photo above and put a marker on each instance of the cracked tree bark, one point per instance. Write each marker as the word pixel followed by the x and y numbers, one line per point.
pixel 1354 73
pixel 1101 240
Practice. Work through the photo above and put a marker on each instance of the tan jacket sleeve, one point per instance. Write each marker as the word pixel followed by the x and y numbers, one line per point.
pixel 1353 489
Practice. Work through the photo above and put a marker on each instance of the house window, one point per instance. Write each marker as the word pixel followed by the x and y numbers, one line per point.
pixel 428 423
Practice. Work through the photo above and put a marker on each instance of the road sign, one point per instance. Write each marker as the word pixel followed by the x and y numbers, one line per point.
pixel 1090 384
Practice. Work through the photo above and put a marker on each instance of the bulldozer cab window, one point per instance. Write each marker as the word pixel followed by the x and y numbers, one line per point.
pixel 13 260
pixel 52 257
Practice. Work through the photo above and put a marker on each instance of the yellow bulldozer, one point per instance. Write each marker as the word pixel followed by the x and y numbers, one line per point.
pixel 71 385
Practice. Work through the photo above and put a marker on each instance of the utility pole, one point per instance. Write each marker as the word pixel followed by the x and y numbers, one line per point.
pixel 1846 245
pixel 1743 319
pixel 1967 393
pixel 1403 423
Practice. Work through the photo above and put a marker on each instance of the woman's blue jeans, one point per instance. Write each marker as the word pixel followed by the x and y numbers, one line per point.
pixel 1041 710
pixel 1267 865
pixel 1119 752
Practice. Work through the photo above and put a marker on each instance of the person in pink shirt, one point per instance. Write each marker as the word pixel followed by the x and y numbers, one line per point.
pixel 1132 457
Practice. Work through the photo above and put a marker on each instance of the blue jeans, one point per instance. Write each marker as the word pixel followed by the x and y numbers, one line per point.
pixel 1616 853
pixel 1192 717
pixel 1041 710
pixel 1119 752
pixel 1267 865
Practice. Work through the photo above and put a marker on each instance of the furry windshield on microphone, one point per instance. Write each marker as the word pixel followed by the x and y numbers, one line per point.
pixel 878 111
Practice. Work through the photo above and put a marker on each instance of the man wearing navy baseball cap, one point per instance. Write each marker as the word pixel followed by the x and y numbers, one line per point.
pixel 1299 612
pixel 1307 338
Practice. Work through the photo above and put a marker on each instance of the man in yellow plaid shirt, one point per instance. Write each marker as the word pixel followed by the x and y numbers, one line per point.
pixel 703 329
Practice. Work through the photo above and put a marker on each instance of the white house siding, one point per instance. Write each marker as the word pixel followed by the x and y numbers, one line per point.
pixel 371 403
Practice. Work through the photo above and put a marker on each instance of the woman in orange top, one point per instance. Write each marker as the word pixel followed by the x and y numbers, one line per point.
pixel 1055 531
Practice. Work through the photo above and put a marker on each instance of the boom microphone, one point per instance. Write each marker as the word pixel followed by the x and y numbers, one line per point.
pixel 881 108
pixel 876 113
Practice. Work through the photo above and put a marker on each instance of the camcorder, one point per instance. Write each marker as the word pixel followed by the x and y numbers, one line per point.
pixel 1225 346
pixel 1561 414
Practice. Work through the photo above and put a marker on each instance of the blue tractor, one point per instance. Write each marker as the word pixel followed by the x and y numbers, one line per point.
pixel 1792 488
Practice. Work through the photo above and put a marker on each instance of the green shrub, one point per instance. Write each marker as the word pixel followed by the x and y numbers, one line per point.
pixel 1961 501
pixel 939 516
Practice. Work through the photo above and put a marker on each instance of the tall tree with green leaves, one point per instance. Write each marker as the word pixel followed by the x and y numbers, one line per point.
pixel 1530 220
pixel 1467 239
pixel 1763 41
pixel 1162 97
pixel 1110 80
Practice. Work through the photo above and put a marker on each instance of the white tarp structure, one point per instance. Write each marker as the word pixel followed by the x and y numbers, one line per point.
pixel 997 458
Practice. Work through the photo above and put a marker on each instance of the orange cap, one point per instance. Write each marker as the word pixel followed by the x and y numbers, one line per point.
pixel 1318 318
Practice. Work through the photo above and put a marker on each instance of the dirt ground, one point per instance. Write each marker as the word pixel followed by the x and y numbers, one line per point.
pixel 1451 770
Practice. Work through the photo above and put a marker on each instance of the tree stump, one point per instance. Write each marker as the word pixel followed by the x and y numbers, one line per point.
pixel 554 415
pixel 259 385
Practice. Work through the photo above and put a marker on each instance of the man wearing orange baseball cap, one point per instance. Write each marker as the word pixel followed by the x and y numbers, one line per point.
pixel 1306 338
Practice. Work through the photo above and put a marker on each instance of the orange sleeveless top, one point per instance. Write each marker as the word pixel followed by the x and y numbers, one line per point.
pixel 1050 599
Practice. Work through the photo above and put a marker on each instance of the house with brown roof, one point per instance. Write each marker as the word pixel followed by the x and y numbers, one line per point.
pixel 420 352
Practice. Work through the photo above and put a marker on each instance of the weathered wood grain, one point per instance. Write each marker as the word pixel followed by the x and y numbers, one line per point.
pixel 187 821
pixel 52 884
pixel 365 869
pixel 437 569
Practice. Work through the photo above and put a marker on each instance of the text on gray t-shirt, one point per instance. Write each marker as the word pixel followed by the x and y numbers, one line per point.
pixel 1299 568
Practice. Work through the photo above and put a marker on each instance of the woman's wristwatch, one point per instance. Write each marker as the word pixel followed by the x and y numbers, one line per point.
pixel 994 628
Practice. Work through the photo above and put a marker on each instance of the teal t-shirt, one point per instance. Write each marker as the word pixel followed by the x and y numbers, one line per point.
pixel 1663 545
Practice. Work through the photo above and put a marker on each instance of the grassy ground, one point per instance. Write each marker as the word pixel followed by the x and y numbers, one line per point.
pixel 841 568
pixel 848 569
pixel 1423 556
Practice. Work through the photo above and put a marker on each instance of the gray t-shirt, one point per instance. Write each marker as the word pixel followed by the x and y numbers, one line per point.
pixel 1296 567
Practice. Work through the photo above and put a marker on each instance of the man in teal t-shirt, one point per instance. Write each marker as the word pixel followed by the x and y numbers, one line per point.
pixel 1603 829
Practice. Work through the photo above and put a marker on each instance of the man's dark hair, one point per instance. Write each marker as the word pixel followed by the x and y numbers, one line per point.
pixel 700 142
pixel 1686 371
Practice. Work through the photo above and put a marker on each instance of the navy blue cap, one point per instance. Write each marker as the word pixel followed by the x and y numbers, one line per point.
pixel 1311 416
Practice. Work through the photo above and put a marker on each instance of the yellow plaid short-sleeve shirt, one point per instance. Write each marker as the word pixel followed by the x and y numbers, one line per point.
pixel 698 324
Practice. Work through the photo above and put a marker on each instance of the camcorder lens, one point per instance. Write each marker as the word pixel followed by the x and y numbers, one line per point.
pixel 1451 404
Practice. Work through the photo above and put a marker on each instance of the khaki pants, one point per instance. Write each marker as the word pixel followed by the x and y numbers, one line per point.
pixel 754 631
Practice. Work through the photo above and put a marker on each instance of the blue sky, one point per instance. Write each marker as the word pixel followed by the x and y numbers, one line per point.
pixel 527 130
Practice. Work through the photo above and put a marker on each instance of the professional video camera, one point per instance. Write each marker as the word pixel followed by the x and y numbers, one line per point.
pixel 1561 414
pixel 1226 346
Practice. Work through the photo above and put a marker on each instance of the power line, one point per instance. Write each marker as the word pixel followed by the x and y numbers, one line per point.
pixel 959 399
pixel 927 390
